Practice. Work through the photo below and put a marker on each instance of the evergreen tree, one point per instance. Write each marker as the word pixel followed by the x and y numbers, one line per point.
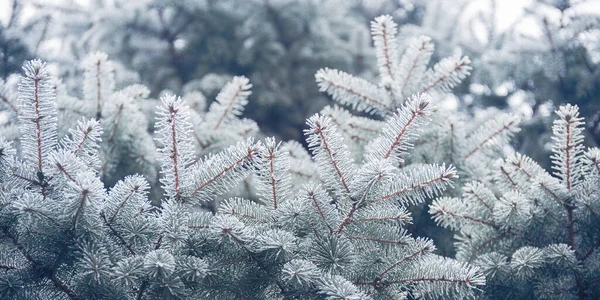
pixel 534 234
pixel 66 236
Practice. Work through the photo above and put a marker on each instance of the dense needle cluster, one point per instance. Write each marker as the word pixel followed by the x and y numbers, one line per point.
pixel 120 196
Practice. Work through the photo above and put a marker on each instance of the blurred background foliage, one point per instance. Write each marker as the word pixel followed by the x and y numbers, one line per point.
pixel 528 56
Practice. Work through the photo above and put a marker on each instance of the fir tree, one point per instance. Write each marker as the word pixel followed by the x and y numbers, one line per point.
pixel 66 236
pixel 534 234
pixel 471 148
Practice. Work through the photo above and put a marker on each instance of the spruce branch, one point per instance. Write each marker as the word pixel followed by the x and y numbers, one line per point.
pixel 38 115
pixel 216 173
pixel 334 162
pixel 357 93
pixel 497 131
pixel 414 64
pixel 273 181
pixel 98 82
pixel 401 130
pixel 416 185
pixel 383 31
pixel 568 149
pixel 230 102
pixel 446 74
pixel 174 132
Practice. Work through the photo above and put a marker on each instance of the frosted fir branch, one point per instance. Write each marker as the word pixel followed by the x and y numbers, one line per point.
pixel 277 242
pixel 383 212
pixel 495 132
pixel 525 173
pixel 318 200
pixel 360 130
pixel 83 192
pixel 14 172
pixel 368 185
pixel 28 205
pixel 193 268
pixel 355 92
pixel 513 210
pixel 98 81
pixel 229 103
pixel 334 162
pixel 7 152
pixel 517 171
pixel 337 287
pixel 38 115
pixel 383 31
pixel 120 110
pixel 58 282
pixel 413 64
pixel 84 142
pixel 93 261
pixel 174 225
pixel 333 253
pixel 273 181
pixel 126 200
pixel 211 140
pixel 173 131
pixel 63 167
pixel 418 250
pixel 519 163
pixel 196 101
pixel 228 227
pixel 400 130
pixel 370 181
pixel 136 92
pixel 247 211
pixel 117 234
pixel 414 186
pixel 446 74
pixel 525 260
pixel 214 175
pixel 448 278
pixel 444 140
pixel 480 195
pixel 381 241
pixel 301 272
pixel 568 146
pixel 567 157
pixel 453 213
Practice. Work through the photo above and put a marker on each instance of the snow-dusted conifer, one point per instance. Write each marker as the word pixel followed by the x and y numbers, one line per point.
pixel 533 233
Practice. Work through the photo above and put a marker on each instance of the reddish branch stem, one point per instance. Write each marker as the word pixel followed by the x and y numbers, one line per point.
pixel 401 134
pixel 387 55
pixel 416 186
pixel 37 120
pixel 421 251
pixel 229 106
pixel 225 170
pixel 489 138
pixel 272 177
pixel 334 162
pixel 174 154
pixel 442 78
pixel 412 67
